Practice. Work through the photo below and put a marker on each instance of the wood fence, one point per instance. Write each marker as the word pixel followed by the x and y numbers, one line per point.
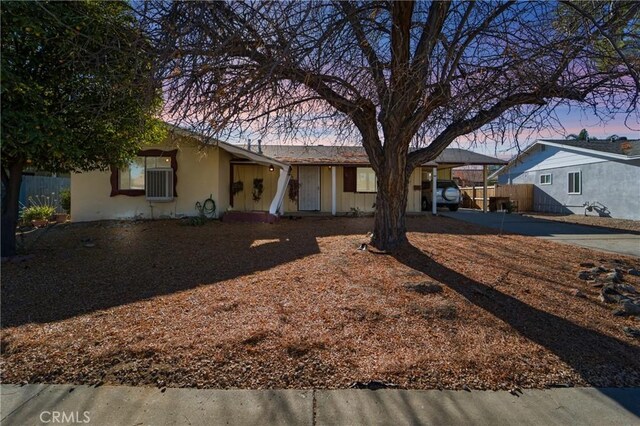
pixel 43 187
pixel 521 195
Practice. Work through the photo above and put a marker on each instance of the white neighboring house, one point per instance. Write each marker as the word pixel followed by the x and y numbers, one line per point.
pixel 595 177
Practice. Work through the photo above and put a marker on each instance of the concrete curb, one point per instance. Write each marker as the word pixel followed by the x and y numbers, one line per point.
pixel 123 405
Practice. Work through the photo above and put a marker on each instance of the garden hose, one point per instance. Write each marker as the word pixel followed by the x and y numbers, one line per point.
pixel 206 208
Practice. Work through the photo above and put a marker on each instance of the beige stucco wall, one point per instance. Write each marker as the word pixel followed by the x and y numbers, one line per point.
pixel 224 185
pixel 201 173
pixel 246 173
pixel 205 171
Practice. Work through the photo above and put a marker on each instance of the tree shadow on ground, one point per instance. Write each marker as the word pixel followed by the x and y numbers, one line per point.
pixel 134 261
pixel 598 358
pixel 65 279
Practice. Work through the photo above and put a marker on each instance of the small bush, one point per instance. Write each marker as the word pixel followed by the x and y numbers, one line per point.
pixel 65 200
pixel 37 213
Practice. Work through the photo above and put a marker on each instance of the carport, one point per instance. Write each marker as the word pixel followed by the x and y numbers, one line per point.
pixel 456 157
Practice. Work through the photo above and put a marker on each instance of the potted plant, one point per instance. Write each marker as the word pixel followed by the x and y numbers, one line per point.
pixel 39 212
pixel 65 203
pixel 38 216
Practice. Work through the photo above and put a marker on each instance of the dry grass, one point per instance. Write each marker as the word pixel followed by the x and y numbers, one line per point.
pixel 602 222
pixel 295 305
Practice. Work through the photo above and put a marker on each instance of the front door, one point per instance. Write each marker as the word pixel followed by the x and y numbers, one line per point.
pixel 309 193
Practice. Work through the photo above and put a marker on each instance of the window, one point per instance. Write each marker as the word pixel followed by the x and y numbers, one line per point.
pixel 545 179
pixel 575 183
pixel 130 180
pixel 133 176
pixel 366 180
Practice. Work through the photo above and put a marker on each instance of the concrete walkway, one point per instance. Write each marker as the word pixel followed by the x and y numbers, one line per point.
pixel 121 405
pixel 622 242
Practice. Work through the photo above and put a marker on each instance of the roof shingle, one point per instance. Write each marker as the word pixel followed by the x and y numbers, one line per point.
pixel 356 155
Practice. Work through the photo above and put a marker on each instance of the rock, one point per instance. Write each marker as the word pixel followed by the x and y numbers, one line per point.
pixel 608 294
pixel 587 264
pixel 633 271
pixel 626 288
pixel 597 284
pixel 585 275
pixel 630 307
pixel 598 269
pixel 89 245
pixel 632 332
pixel 424 287
pixel 614 277
pixel 578 293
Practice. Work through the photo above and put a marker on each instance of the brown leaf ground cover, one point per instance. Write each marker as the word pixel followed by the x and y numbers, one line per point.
pixel 295 305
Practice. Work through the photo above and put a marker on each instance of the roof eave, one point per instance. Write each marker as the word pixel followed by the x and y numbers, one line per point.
pixel 589 151
pixel 233 149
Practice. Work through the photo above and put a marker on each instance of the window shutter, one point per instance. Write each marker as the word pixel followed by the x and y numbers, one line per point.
pixel 349 181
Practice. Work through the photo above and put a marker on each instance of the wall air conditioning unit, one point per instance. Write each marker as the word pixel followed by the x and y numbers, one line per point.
pixel 159 185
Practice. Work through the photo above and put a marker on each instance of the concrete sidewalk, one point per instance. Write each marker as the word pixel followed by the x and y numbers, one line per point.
pixel 121 405
pixel 622 242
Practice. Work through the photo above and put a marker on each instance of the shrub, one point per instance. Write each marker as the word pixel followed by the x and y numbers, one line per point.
pixel 42 212
pixel 65 200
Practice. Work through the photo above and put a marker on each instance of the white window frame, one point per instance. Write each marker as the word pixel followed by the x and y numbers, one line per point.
pixel 550 182
pixel 569 180
pixel 358 181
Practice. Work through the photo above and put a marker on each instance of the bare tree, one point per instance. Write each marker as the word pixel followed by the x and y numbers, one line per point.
pixel 404 78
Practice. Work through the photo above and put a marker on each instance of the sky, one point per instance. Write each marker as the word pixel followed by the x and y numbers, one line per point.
pixel 573 120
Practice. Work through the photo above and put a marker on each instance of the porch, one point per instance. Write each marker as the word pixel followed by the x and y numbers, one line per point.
pixel 335 181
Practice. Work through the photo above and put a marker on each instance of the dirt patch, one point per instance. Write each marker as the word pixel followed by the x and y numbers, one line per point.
pixel 296 305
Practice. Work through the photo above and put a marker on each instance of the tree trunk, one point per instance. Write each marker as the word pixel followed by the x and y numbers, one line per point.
pixel 391 204
pixel 10 201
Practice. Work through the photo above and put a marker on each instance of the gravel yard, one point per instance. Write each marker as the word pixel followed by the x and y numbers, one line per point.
pixel 603 222
pixel 296 305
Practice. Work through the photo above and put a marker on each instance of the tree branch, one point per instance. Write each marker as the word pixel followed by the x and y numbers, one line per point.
pixel 630 68
pixel 430 33
pixel 401 13
pixel 375 67
pixel 459 128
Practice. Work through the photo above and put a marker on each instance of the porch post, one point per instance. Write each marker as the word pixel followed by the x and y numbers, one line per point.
pixel 283 180
pixel 484 188
pixel 333 191
pixel 434 185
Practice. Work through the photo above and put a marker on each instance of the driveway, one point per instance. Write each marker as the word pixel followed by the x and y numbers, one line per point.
pixel 623 242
